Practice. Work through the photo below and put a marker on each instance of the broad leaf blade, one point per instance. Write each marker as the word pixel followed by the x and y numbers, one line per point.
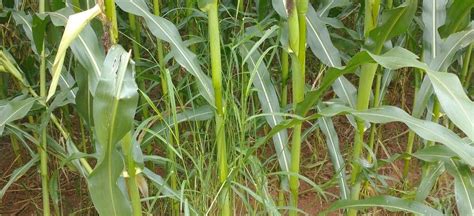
pixel 433 16
pixel 114 107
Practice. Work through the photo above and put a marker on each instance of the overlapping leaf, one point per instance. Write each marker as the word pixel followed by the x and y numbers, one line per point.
pixel 74 26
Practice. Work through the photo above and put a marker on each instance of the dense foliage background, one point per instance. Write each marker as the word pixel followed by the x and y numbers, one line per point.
pixel 236 107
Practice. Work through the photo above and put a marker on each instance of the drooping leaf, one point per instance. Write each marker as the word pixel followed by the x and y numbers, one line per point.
pixel 86 48
pixel 448 48
pixel 387 202
pixel 74 26
pixel 115 102
pixel 453 100
pixel 166 31
pixel 425 129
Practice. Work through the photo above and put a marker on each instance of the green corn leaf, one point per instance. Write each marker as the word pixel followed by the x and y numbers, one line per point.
pixel 115 102
pixel 166 31
pixel 434 153
pixel 86 48
pixel 74 26
pixel 453 100
pixel 39 22
pixel 428 180
pixel 393 23
pixel 84 97
pixel 425 129
pixel 433 16
pixel 15 109
pixel 463 186
pixel 332 141
pixel 448 88
pixel 457 17
pixel 319 40
pixel 268 100
pixel 322 47
pixel 387 202
pixel 448 48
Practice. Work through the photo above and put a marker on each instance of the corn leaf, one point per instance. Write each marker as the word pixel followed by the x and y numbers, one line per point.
pixel 393 23
pixel 457 17
pixel 86 48
pixel 74 26
pixel 463 186
pixel 448 48
pixel 429 179
pixel 387 202
pixel 425 129
pixel 114 108
pixel 15 109
pixel 332 141
pixel 433 16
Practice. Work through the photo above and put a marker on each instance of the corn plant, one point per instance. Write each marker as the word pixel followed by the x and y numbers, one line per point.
pixel 237 107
